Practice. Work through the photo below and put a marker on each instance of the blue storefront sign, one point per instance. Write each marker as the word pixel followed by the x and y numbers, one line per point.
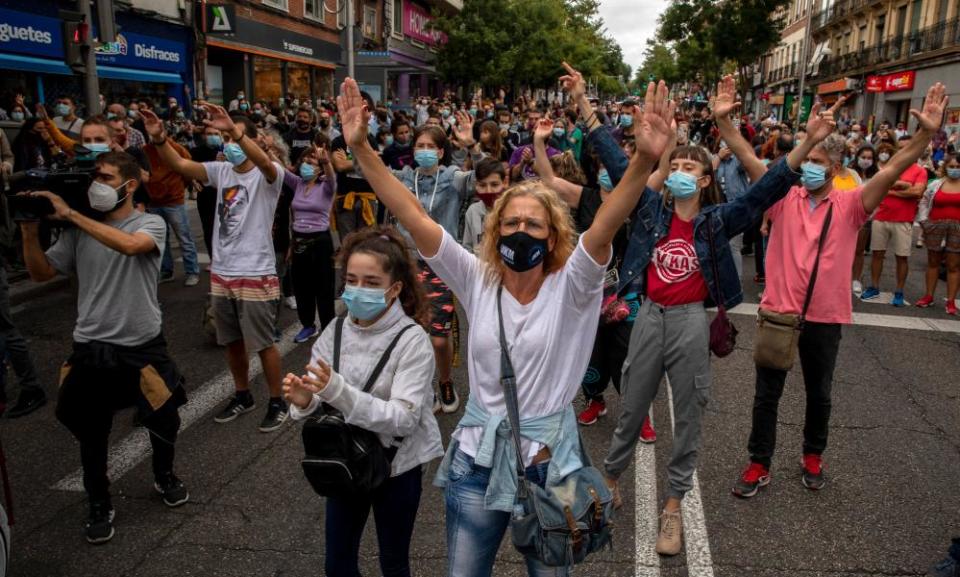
pixel 23 33
pixel 145 52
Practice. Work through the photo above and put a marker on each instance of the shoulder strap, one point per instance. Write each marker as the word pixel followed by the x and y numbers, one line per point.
pixel 384 358
pixel 713 262
pixel 337 337
pixel 816 263
pixel 509 381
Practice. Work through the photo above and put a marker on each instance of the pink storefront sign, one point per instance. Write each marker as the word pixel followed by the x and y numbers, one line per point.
pixel 415 20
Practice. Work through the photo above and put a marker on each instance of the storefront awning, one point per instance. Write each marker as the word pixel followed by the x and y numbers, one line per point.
pixel 31 64
pixel 118 73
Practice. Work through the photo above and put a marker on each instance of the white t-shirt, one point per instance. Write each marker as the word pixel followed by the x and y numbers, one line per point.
pixel 243 228
pixel 550 339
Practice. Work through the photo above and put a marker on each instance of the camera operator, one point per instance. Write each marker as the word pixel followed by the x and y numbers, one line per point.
pixel 119 353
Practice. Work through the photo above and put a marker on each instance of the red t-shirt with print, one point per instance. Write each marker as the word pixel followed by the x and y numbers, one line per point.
pixel 673 275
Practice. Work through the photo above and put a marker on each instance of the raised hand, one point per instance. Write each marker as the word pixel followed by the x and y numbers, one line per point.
pixel 821 123
pixel 318 375
pixel 153 124
pixel 41 111
pixel 323 157
pixel 725 101
pixel 543 130
pixel 218 118
pixel 653 131
pixel 931 116
pixel 464 128
pixel 354 115
pixel 19 100
pixel 573 83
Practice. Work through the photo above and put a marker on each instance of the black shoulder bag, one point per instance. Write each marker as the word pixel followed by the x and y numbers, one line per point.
pixel 559 526
pixel 343 460
pixel 723 335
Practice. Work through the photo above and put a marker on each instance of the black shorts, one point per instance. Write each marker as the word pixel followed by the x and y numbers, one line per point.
pixel 442 307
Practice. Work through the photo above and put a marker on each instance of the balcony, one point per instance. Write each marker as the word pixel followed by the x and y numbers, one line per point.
pixel 943 35
pixel 788 72
pixel 837 11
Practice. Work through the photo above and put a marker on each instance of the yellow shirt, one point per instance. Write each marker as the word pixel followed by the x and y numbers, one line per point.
pixel 846 180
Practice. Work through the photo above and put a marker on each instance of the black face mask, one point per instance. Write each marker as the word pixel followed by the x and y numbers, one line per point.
pixel 521 252
pixel 324 123
pixel 303 125
pixel 784 144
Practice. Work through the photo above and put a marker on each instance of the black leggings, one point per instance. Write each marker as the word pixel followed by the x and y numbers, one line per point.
pixel 313 277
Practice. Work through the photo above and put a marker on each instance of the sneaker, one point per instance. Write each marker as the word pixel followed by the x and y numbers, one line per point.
pixel 813 478
pixel 647 434
pixel 449 399
pixel 614 487
pixel 925 301
pixel 951 309
pixel 238 405
pixel 28 402
pixel 753 478
pixel 857 287
pixel 596 408
pixel 291 303
pixel 99 525
pixel 172 489
pixel 870 293
pixel 437 407
pixel 949 567
pixel 305 334
pixel 670 539
pixel 165 278
pixel 897 300
pixel 276 415
pixel 191 280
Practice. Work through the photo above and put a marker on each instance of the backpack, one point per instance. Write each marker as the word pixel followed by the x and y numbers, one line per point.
pixel 343 460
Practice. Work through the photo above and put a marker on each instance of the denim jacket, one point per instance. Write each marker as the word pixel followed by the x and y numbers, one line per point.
pixel 497 451
pixel 651 222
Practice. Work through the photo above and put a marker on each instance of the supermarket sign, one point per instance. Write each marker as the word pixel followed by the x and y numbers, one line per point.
pixel 892 82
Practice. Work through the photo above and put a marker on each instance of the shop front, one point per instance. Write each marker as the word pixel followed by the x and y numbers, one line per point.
pixel 266 63
pixel 893 94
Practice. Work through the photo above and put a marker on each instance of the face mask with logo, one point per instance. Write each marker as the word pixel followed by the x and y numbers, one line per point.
pixel 681 185
pixel 814 176
pixel 62 109
pixel 17 116
pixel 626 120
pixel 307 171
pixel 95 148
pixel 884 156
pixel 103 197
pixel 426 158
pixel 603 179
pixel 521 252
pixel 953 173
pixel 864 163
pixel 364 304
pixel 235 155
pixel 214 141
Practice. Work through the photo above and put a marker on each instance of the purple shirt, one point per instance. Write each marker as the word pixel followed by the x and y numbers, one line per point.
pixel 517 157
pixel 311 204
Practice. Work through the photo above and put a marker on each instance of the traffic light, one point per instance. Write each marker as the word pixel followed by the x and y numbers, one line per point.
pixel 76 40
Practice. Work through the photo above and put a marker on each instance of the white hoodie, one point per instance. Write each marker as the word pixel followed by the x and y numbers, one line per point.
pixel 400 403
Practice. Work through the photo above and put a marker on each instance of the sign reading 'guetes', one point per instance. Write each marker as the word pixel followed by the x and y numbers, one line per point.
pixel 415 25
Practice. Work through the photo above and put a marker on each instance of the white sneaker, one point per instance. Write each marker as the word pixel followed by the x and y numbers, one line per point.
pixel 291 303
pixel 191 280
pixel 857 287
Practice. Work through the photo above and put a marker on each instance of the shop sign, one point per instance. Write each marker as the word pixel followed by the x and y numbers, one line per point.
pixel 953 116
pixel 835 86
pixel 143 52
pixel 415 25
pixel 30 34
pixel 776 99
pixel 265 36
pixel 892 82
pixel 220 18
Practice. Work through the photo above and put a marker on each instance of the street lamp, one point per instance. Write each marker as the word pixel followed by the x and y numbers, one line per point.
pixel 348 6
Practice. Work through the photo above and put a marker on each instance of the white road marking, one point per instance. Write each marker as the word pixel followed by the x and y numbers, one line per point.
pixel 129 451
pixel 696 541
pixel 875 320
pixel 646 514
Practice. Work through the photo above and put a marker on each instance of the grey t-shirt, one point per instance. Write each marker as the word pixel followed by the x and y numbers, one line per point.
pixel 117 296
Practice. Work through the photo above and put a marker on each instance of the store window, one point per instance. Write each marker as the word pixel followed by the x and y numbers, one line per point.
pixel 298 80
pixel 281 4
pixel 267 78
pixel 370 22
pixel 397 23
pixel 314 9
pixel 341 14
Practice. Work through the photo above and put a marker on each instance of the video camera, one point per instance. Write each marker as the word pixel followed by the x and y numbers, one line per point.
pixel 69 181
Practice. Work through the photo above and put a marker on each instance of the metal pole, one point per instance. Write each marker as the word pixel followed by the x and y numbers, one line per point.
pixel 350 22
pixel 803 62
pixel 91 85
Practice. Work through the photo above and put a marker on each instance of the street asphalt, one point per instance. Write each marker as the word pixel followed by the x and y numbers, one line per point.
pixel 890 507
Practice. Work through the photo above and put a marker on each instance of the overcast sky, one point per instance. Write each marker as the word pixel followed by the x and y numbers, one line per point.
pixel 631 22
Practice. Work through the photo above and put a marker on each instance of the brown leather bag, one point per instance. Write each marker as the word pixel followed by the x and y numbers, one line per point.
pixel 775 346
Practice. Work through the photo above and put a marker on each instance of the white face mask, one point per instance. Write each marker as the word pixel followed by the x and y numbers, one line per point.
pixel 103 197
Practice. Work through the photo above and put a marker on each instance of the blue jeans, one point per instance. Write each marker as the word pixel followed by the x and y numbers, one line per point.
pixel 395 505
pixel 474 533
pixel 176 219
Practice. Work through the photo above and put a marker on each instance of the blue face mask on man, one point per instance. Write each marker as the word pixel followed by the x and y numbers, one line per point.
pixel 626 120
pixel 235 155
pixel 95 148
pixel 426 157
pixel 364 304
pixel 681 185
pixel 603 179
pixel 813 176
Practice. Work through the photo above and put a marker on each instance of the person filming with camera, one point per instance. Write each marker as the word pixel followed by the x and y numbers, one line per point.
pixel 119 356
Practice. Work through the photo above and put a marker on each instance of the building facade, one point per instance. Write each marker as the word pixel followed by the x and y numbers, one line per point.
pixel 776 75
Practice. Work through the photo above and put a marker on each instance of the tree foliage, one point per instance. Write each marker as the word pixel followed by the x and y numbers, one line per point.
pixel 521 43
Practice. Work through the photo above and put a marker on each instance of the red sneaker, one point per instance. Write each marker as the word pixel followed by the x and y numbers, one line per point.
pixel 952 308
pixel 750 481
pixel 926 301
pixel 813 472
pixel 647 434
pixel 595 409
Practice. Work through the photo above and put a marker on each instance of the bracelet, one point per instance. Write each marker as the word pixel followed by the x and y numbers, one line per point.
pixel 162 141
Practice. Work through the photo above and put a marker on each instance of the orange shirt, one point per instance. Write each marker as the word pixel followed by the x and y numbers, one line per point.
pixel 166 187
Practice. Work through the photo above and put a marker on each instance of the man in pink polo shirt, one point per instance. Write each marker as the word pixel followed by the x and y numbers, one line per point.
pixel 791 253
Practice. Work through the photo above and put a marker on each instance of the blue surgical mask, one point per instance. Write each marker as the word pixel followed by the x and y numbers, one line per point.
pixel 132 113
pixel 388 140
pixel 214 141
pixel 17 116
pixel 244 106
pixel 235 155
pixel 603 179
pixel 490 114
pixel 445 113
pixel 426 157
pixel 814 176
pixel 473 111
pixel 953 173
pixel 559 132
pixel 111 116
pixel 364 304
pixel 307 171
pixel 681 185
pixel 626 120
pixel 95 148
pixel 62 109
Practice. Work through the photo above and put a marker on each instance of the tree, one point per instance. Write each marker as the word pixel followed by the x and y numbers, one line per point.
pixel 659 63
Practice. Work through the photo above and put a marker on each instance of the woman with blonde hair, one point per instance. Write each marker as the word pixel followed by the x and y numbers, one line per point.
pixel 549 288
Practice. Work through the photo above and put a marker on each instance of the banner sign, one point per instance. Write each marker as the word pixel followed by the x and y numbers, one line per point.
pixel 415 20
pixel 892 82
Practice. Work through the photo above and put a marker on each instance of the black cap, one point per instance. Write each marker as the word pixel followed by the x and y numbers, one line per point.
pixel 629 102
